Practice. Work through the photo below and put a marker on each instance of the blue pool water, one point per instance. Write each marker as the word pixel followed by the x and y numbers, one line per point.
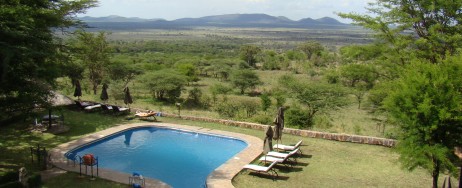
pixel 178 158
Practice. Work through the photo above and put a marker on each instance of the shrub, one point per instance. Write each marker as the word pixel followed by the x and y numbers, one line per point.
pixel 323 122
pixel 220 89
pixel 13 184
pixel 227 109
pixel 262 119
pixel 297 117
pixel 9 177
pixel 35 180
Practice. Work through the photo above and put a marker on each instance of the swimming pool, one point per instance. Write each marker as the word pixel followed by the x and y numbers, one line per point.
pixel 176 157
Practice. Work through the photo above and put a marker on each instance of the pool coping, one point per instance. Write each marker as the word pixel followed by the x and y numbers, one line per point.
pixel 220 177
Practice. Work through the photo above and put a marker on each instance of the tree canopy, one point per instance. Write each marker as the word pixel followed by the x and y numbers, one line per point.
pixel 30 54
pixel 414 35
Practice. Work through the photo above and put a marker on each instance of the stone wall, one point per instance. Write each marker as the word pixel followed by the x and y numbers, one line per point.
pixel 305 133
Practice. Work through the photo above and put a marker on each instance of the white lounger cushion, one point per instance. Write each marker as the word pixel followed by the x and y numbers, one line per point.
pixel 272 159
pixel 282 155
pixel 286 147
pixel 123 109
pixel 92 107
pixel 260 168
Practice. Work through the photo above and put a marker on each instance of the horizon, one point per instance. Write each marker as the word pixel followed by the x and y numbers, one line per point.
pixel 83 16
pixel 177 9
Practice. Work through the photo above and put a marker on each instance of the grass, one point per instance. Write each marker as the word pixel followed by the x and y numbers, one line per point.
pixel 324 163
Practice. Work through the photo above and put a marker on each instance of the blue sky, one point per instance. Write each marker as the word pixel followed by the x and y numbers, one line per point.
pixel 174 9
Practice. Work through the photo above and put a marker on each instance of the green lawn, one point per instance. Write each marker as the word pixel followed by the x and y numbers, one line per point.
pixel 324 163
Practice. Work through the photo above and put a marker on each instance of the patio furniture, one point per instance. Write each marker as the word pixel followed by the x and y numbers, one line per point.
pixel 283 155
pixel 150 115
pixel 262 169
pixel 288 147
pixel 136 180
pixel 120 110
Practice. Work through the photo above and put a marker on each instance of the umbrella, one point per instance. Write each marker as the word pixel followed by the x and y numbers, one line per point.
pixel 267 143
pixel 279 124
pixel 104 96
pixel 128 98
pixel 78 90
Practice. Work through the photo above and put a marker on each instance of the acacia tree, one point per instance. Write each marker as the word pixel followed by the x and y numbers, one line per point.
pixel 244 79
pixel 426 103
pixel 165 84
pixel 316 97
pixel 425 31
pixel 311 48
pixel 249 54
pixel 94 51
pixel 30 54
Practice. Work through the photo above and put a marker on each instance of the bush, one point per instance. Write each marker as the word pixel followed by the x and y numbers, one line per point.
pixel 35 180
pixel 227 109
pixel 297 117
pixel 14 184
pixel 9 177
pixel 220 89
pixel 262 119
pixel 323 122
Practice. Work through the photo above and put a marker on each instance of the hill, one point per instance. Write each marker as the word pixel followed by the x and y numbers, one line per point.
pixel 227 20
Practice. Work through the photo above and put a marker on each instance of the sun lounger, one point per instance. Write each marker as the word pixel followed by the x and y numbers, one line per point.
pixel 287 147
pixel 262 169
pixel 283 155
pixel 120 110
pixel 93 107
pixel 150 115
pixel 82 104
pixel 279 157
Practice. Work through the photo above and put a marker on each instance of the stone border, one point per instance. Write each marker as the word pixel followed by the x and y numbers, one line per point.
pixel 219 178
pixel 305 133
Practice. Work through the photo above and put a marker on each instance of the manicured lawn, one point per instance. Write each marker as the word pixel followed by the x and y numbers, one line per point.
pixel 324 163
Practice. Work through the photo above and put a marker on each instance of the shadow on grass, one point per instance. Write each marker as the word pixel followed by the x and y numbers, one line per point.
pixel 267 176
pixel 305 156
pixel 288 168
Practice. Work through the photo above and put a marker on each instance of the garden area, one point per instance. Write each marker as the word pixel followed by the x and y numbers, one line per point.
pixel 323 163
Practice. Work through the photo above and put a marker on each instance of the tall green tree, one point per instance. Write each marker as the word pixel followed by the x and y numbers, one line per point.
pixel 165 84
pixel 31 56
pixel 249 54
pixel 245 79
pixel 318 98
pixel 426 103
pixel 428 32
pixel 94 51
pixel 311 48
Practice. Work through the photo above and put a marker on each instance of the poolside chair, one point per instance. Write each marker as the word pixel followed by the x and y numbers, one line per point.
pixel 262 169
pixel 92 107
pixel 288 147
pixel 120 110
pixel 150 115
pixel 279 157
pixel 106 108
pixel 82 105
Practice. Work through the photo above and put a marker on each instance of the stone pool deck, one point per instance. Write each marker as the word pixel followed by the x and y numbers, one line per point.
pixel 221 177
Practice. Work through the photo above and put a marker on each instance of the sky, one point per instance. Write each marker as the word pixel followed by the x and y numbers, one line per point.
pixel 174 9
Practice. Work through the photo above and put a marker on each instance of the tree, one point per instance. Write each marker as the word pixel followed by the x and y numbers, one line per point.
pixel 124 72
pixel 31 56
pixel 93 51
pixel 318 98
pixel 244 79
pixel 189 70
pixel 249 54
pixel 428 32
pixel 265 102
pixel 311 48
pixel 360 77
pixel 426 102
pixel 165 84
pixel 425 29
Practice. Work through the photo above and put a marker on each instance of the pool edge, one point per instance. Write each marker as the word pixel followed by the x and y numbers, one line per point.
pixel 220 177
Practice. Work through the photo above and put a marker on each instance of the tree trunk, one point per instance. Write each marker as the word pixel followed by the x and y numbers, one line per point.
pixel 95 88
pixel 436 172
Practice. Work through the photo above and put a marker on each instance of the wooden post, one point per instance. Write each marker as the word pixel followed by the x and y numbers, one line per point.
pixel 458 152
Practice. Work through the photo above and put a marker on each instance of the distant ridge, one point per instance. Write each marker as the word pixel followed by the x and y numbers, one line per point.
pixel 226 20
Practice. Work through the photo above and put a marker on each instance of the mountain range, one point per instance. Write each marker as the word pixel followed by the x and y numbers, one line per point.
pixel 227 20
